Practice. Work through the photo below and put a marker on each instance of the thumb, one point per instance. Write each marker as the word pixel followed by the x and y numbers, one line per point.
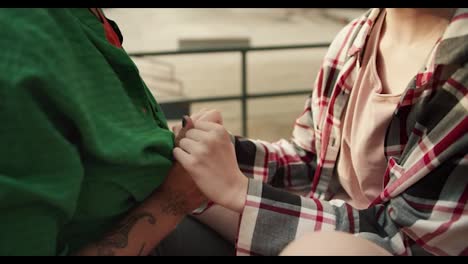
pixel 187 124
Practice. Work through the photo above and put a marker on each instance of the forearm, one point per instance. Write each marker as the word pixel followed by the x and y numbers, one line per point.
pixel 222 220
pixel 142 229
pixel 145 226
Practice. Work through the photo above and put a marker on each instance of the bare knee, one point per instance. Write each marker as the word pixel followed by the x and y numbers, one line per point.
pixel 332 244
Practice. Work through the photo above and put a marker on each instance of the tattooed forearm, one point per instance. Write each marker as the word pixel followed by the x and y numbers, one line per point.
pixel 118 238
pixel 176 203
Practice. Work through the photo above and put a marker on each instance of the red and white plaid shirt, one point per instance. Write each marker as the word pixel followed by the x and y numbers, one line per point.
pixel 423 206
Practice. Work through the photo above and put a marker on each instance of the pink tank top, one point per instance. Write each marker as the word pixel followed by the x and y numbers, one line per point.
pixel 362 163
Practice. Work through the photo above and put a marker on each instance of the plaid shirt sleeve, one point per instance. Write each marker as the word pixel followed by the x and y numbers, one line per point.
pixel 286 164
pixel 432 214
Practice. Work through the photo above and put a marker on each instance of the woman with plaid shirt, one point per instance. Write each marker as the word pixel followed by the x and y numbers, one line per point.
pixel 390 172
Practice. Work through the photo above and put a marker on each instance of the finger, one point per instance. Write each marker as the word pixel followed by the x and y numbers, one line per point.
pixel 199 114
pixel 188 123
pixel 213 116
pixel 207 126
pixel 183 158
pixel 190 146
pixel 204 109
pixel 197 135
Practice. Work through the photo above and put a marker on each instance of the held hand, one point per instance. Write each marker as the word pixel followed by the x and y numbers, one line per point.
pixel 203 115
pixel 208 155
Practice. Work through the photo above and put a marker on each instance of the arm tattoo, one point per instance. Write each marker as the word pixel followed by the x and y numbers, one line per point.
pixel 176 203
pixel 118 238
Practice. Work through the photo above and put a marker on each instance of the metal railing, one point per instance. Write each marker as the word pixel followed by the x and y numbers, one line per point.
pixel 244 95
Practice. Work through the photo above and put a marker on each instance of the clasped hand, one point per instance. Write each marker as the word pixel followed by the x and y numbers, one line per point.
pixel 205 149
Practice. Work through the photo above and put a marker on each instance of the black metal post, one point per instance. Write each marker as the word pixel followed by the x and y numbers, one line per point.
pixel 244 93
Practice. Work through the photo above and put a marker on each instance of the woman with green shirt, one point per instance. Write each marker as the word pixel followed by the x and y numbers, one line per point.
pixel 84 147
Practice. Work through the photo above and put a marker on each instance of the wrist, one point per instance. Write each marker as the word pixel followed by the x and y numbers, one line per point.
pixel 232 137
pixel 170 203
pixel 167 220
pixel 178 196
pixel 239 194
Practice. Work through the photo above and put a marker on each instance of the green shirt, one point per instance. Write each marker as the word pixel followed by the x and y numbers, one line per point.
pixel 82 140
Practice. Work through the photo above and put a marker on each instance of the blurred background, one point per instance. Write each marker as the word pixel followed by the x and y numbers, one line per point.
pixel 208 57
